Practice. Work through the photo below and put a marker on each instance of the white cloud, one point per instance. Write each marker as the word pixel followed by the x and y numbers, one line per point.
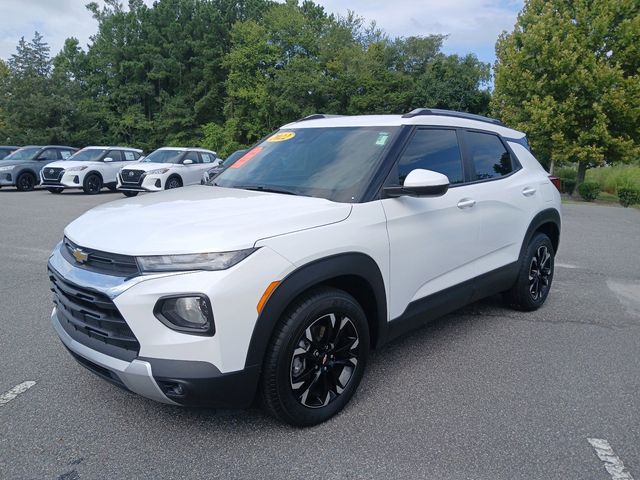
pixel 473 25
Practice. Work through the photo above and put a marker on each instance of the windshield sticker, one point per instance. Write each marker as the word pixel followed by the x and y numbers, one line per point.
pixel 246 157
pixel 281 137
pixel 382 139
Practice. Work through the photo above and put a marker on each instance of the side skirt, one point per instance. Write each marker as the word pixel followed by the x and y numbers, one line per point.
pixel 424 310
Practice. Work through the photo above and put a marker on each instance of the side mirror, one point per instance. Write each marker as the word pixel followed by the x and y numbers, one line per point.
pixel 420 183
pixel 188 161
pixel 108 159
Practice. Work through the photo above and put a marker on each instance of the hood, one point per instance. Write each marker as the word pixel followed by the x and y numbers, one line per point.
pixel 5 163
pixel 147 166
pixel 199 219
pixel 71 163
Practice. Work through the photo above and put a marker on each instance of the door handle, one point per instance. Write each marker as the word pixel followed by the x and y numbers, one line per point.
pixel 528 191
pixel 466 203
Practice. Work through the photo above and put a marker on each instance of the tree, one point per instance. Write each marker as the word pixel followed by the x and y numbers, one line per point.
pixel 568 75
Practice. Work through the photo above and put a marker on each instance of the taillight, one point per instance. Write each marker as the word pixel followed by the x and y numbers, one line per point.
pixel 555 181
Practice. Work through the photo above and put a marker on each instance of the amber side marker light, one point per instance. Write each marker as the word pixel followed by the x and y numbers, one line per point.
pixel 265 296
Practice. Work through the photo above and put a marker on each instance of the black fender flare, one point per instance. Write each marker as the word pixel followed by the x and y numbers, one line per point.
pixel 307 276
pixel 549 215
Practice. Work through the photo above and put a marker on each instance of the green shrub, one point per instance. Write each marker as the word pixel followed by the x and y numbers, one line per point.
pixel 628 195
pixel 589 191
pixel 568 185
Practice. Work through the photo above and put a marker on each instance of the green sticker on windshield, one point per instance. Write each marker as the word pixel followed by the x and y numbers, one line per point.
pixel 382 139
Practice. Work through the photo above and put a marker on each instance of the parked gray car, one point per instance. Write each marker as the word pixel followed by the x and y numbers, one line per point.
pixel 7 150
pixel 21 168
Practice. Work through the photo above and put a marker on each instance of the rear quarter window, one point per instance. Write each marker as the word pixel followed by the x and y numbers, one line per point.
pixel 489 156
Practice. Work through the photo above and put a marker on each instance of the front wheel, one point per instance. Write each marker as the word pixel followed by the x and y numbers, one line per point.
pixel 55 189
pixel 316 358
pixel 535 276
pixel 92 184
pixel 173 182
pixel 130 194
pixel 25 182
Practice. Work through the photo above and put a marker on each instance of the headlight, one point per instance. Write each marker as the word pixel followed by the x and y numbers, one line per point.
pixel 190 314
pixel 77 169
pixel 195 261
pixel 158 171
pixel 8 167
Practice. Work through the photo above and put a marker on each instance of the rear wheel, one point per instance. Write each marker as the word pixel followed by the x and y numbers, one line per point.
pixel 55 189
pixel 26 182
pixel 535 276
pixel 173 182
pixel 92 184
pixel 316 358
pixel 130 194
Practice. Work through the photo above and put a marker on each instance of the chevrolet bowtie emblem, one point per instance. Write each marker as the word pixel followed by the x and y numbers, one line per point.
pixel 79 255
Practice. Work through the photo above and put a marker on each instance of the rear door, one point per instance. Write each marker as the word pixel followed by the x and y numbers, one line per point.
pixel 505 198
pixel 433 241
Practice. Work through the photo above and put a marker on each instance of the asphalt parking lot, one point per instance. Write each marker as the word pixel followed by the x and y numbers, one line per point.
pixel 485 393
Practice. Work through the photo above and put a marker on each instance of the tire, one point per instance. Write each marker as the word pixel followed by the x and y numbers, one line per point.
pixel 112 188
pixel 55 189
pixel 535 275
pixel 307 354
pixel 92 184
pixel 130 194
pixel 173 182
pixel 26 182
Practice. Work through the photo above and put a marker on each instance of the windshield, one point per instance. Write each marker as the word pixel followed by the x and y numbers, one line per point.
pixel 26 153
pixel 164 156
pixel 88 155
pixel 336 163
pixel 231 159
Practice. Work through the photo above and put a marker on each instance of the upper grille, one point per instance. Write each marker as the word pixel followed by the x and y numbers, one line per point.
pixel 132 177
pixel 52 173
pixel 92 319
pixel 101 262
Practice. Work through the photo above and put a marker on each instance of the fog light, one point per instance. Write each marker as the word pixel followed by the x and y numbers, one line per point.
pixel 76 179
pixel 191 314
pixel 158 183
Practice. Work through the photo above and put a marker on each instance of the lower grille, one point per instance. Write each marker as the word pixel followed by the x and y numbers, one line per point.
pixel 131 177
pixel 52 173
pixel 92 319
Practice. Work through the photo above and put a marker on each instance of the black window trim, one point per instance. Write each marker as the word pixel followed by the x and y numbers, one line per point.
pixel 517 166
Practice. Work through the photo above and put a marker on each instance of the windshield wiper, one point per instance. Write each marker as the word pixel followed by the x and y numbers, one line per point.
pixel 262 188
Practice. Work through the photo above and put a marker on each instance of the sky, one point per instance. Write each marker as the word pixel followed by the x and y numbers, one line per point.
pixel 472 25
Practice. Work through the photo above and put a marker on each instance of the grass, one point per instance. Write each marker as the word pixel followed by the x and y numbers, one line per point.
pixel 609 178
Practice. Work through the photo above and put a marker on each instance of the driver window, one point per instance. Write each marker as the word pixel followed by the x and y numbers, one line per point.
pixel 433 149
pixel 193 156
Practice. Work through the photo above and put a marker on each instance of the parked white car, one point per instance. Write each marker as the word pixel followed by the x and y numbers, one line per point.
pixel 332 236
pixel 166 168
pixel 89 169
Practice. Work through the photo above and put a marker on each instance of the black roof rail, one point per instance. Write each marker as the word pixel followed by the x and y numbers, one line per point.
pixel 316 116
pixel 451 113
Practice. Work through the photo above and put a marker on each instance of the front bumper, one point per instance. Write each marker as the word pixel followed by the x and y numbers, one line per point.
pixel 175 382
pixel 7 179
pixel 148 183
pixel 71 179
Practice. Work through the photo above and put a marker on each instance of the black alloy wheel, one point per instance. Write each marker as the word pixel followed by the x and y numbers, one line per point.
pixel 535 274
pixel 324 360
pixel 316 357
pixel 26 182
pixel 92 184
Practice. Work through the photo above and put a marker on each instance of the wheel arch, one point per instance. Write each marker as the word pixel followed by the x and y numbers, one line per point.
pixel 174 175
pixel 30 171
pixel 356 273
pixel 93 172
pixel 547 222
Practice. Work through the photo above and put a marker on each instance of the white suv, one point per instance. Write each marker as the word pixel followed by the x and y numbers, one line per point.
pixel 89 169
pixel 166 168
pixel 331 237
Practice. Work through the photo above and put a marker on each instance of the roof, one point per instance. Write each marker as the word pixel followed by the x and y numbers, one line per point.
pixel 49 146
pixel 432 119
pixel 184 149
pixel 111 147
